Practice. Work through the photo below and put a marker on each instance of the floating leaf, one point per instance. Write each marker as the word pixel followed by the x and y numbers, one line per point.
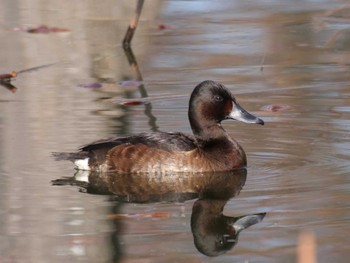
pixel 133 102
pixel 40 29
pixel 162 27
pixel 43 29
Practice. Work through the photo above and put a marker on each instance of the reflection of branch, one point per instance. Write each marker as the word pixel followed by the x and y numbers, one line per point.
pixel 333 40
pixel 138 76
pixel 133 64
pixel 133 24
pixel 7 84
pixel 152 120
pixel 338 15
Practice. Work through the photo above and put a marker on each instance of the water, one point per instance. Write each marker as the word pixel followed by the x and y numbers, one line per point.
pixel 287 64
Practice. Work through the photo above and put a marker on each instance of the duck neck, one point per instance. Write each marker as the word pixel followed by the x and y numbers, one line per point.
pixel 207 131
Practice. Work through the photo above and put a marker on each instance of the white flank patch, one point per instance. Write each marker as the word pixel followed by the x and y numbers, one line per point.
pixel 82 176
pixel 82 164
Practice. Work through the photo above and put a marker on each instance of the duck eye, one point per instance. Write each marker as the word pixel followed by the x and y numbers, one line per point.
pixel 218 98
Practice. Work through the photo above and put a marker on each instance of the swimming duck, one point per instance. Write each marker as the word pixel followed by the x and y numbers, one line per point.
pixel 209 149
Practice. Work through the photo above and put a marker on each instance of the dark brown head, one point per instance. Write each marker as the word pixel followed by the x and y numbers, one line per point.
pixel 211 103
pixel 213 232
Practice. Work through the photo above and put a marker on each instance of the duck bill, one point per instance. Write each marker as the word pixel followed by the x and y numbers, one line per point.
pixel 240 114
pixel 244 222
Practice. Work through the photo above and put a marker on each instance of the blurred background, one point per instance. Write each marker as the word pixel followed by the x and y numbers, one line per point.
pixel 286 61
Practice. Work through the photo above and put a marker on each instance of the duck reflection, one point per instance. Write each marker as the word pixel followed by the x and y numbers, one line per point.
pixel 214 233
pixel 168 187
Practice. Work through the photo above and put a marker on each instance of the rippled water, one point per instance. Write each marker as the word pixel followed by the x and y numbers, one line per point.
pixel 287 63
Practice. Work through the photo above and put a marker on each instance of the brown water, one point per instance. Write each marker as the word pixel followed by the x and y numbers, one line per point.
pixel 287 62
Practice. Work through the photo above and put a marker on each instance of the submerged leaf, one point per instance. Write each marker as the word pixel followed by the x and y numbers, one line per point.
pixel 276 107
pixel 93 85
pixel 130 83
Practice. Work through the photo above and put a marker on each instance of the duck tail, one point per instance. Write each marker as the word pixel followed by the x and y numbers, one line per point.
pixel 66 156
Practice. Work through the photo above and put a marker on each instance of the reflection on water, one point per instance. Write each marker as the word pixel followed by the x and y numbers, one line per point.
pixel 268 53
pixel 170 187
pixel 213 232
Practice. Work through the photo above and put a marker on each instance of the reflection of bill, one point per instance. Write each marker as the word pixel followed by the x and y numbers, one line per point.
pixel 215 233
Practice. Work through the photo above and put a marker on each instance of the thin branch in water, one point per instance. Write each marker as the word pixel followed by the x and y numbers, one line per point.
pixel 133 24
pixel 262 62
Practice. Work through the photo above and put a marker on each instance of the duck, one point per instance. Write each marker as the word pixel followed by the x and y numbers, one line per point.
pixel 208 149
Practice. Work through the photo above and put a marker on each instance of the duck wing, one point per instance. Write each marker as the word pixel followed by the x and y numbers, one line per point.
pixel 169 141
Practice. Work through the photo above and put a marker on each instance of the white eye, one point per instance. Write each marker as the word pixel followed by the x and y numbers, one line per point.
pixel 218 98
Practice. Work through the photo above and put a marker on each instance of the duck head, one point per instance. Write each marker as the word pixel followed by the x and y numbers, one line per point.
pixel 211 103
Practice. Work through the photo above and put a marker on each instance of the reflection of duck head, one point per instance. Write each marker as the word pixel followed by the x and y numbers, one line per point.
pixel 215 233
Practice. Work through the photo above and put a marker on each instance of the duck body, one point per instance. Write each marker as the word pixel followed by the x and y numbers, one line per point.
pixel 161 152
pixel 209 149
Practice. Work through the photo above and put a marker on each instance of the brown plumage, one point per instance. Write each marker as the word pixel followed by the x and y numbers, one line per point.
pixel 209 149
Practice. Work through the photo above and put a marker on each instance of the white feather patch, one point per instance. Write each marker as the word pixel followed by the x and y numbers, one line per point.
pixel 82 164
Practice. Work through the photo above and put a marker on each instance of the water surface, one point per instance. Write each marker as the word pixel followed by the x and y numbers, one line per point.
pixel 286 63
